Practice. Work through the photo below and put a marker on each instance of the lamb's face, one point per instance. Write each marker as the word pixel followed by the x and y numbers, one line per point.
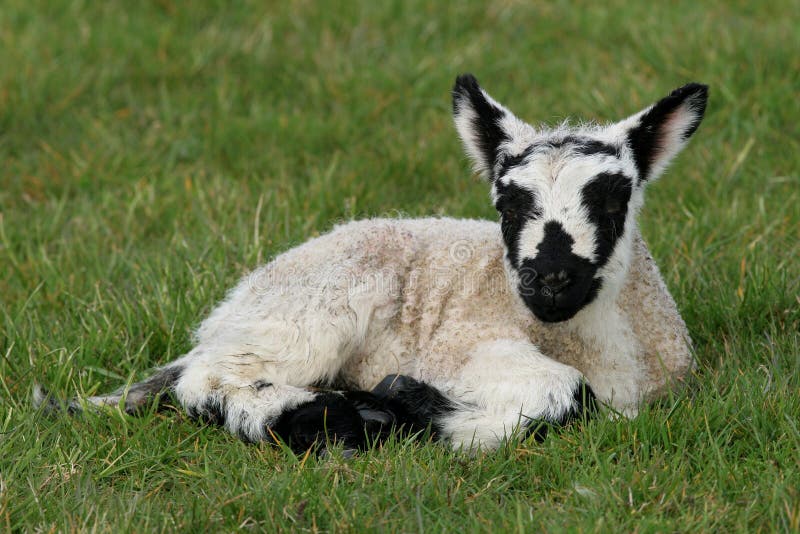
pixel 568 197
pixel 564 205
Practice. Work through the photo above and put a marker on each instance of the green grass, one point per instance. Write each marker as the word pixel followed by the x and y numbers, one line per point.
pixel 154 151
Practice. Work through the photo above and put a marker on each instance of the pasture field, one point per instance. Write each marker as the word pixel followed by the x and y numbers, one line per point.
pixel 152 152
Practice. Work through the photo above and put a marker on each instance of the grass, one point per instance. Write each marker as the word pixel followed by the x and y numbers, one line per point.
pixel 152 152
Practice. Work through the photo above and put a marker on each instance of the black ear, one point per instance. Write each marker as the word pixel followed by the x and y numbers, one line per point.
pixel 479 121
pixel 658 133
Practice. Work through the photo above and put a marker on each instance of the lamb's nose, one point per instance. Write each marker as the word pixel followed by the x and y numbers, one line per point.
pixel 555 281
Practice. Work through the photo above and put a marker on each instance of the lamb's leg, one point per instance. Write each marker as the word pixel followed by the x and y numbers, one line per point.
pixel 254 407
pixel 270 384
pixel 131 398
pixel 506 386
pixel 258 381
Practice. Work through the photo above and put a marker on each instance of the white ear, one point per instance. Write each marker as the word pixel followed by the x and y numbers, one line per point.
pixel 658 133
pixel 486 128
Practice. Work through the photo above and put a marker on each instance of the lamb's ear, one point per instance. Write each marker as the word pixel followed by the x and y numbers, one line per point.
pixel 659 132
pixel 482 123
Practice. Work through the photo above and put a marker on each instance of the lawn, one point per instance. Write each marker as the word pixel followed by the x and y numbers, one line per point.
pixel 152 152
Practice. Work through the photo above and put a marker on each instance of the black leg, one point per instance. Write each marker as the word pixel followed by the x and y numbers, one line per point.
pixel 354 419
pixel 359 419
pixel 585 406
pixel 416 405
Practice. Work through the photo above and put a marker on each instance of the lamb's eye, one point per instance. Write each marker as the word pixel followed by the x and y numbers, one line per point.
pixel 613 205
pixel 509 215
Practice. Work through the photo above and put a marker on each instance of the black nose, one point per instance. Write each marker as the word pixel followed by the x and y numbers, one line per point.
pixel 555 281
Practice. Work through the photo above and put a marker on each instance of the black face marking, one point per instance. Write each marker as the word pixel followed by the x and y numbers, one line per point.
pixel 557 284
pixel 582 145
pixel 516 206
pixel 646 138
pixel 594 289
pixel 486 123
pixel 606 200
pixel 509 162
pixel 593 147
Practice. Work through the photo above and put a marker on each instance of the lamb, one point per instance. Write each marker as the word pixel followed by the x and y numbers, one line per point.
pixel 475 330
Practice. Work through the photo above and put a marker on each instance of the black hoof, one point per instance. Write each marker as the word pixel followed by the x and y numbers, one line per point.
pixel 416 405
pixel 354 420
pixel 584 406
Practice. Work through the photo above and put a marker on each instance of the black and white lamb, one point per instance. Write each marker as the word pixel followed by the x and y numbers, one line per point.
pixel 474 329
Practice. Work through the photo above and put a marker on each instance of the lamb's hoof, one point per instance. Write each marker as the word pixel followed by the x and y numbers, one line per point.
pixel 393 385
pixel 50 405
pixel 354 420
pixel 584 406
pixel 416 405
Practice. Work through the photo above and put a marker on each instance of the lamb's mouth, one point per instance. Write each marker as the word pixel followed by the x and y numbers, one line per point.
pixel 554 315
pixel 549 311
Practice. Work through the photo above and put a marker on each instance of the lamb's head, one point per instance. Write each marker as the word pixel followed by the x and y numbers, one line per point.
pixel 568 197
